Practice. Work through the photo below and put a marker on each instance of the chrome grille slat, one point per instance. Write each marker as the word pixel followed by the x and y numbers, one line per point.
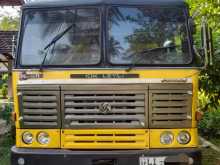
pixel 35 98
pixel 168 110
pixel 83 125
pixel 169 117
pixel 39 105
pixel 104 117
pixel 170 96
pixel 39 118
pixel 43 124
pixel 41 111
pixel 110 98
pixel 97 111
pixel 114 104
pixel 168 103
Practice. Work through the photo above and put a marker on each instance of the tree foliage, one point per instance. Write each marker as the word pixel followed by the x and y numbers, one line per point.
pixel 8 23
pixel 210 124
pixel 210 76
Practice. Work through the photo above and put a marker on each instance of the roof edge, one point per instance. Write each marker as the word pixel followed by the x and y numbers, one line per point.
pixel 63 3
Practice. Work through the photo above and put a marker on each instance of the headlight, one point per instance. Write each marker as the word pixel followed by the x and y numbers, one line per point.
pixel 166 138
pixel 183 137
pixel 43 138
pixel 27 138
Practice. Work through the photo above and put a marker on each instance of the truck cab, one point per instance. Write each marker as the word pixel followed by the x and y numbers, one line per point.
pixel 106 82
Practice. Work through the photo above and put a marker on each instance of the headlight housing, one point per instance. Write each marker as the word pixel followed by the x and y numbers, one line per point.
pixel 166 138
pixel 43 138
pixel 183 137
pixel 27 138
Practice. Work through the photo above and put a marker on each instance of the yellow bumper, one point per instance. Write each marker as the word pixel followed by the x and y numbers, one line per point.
pixel 106 139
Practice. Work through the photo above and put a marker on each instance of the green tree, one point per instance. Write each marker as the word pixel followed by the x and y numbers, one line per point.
pixel 9 23
pixel 210 76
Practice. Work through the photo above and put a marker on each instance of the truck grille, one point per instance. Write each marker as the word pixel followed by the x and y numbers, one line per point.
pixel 40 109
pixel 119 108
pixel 104 139
pixel 106 106
pixel 170 108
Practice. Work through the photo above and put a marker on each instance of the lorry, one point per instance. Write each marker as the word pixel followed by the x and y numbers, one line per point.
pixel 107 82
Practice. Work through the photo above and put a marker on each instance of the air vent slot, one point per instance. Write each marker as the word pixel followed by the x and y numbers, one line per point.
pixel 40 109
pixel 170 108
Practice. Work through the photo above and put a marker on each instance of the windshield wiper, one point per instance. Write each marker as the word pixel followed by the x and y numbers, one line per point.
pixel 53 41
pixel 145 52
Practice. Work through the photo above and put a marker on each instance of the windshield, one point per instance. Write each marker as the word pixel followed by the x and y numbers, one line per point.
pixel 80 45
pixel 148 36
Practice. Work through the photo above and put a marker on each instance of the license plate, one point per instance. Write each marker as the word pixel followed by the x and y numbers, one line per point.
pixel 152 160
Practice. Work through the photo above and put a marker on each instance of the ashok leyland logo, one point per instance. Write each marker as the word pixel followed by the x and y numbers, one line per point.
pixel 105 108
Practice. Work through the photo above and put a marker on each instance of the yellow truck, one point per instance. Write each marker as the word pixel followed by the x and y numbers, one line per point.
pixel 107 82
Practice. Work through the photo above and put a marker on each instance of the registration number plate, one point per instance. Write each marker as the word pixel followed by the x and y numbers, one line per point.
pixel 152 160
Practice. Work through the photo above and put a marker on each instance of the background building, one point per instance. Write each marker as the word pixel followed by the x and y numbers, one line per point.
pixel 6 46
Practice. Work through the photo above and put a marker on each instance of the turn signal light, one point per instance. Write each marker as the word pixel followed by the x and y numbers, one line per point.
pixel 13 116
pixel 199 115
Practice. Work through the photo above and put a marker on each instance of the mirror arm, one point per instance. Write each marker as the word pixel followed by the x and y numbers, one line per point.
pixel 13 51
pixel 196 51
pixel 200 55
pixel 204 41
pixel 211 49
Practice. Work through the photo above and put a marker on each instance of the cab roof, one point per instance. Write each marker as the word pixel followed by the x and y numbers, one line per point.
pixel 63 3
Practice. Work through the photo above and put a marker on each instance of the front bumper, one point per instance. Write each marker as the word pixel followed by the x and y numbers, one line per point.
pixel 92 157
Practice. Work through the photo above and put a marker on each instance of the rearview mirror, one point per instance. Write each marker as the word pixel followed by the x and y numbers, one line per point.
pixel 207 42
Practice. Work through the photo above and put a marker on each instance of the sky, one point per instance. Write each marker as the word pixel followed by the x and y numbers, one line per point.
pixel 9 11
